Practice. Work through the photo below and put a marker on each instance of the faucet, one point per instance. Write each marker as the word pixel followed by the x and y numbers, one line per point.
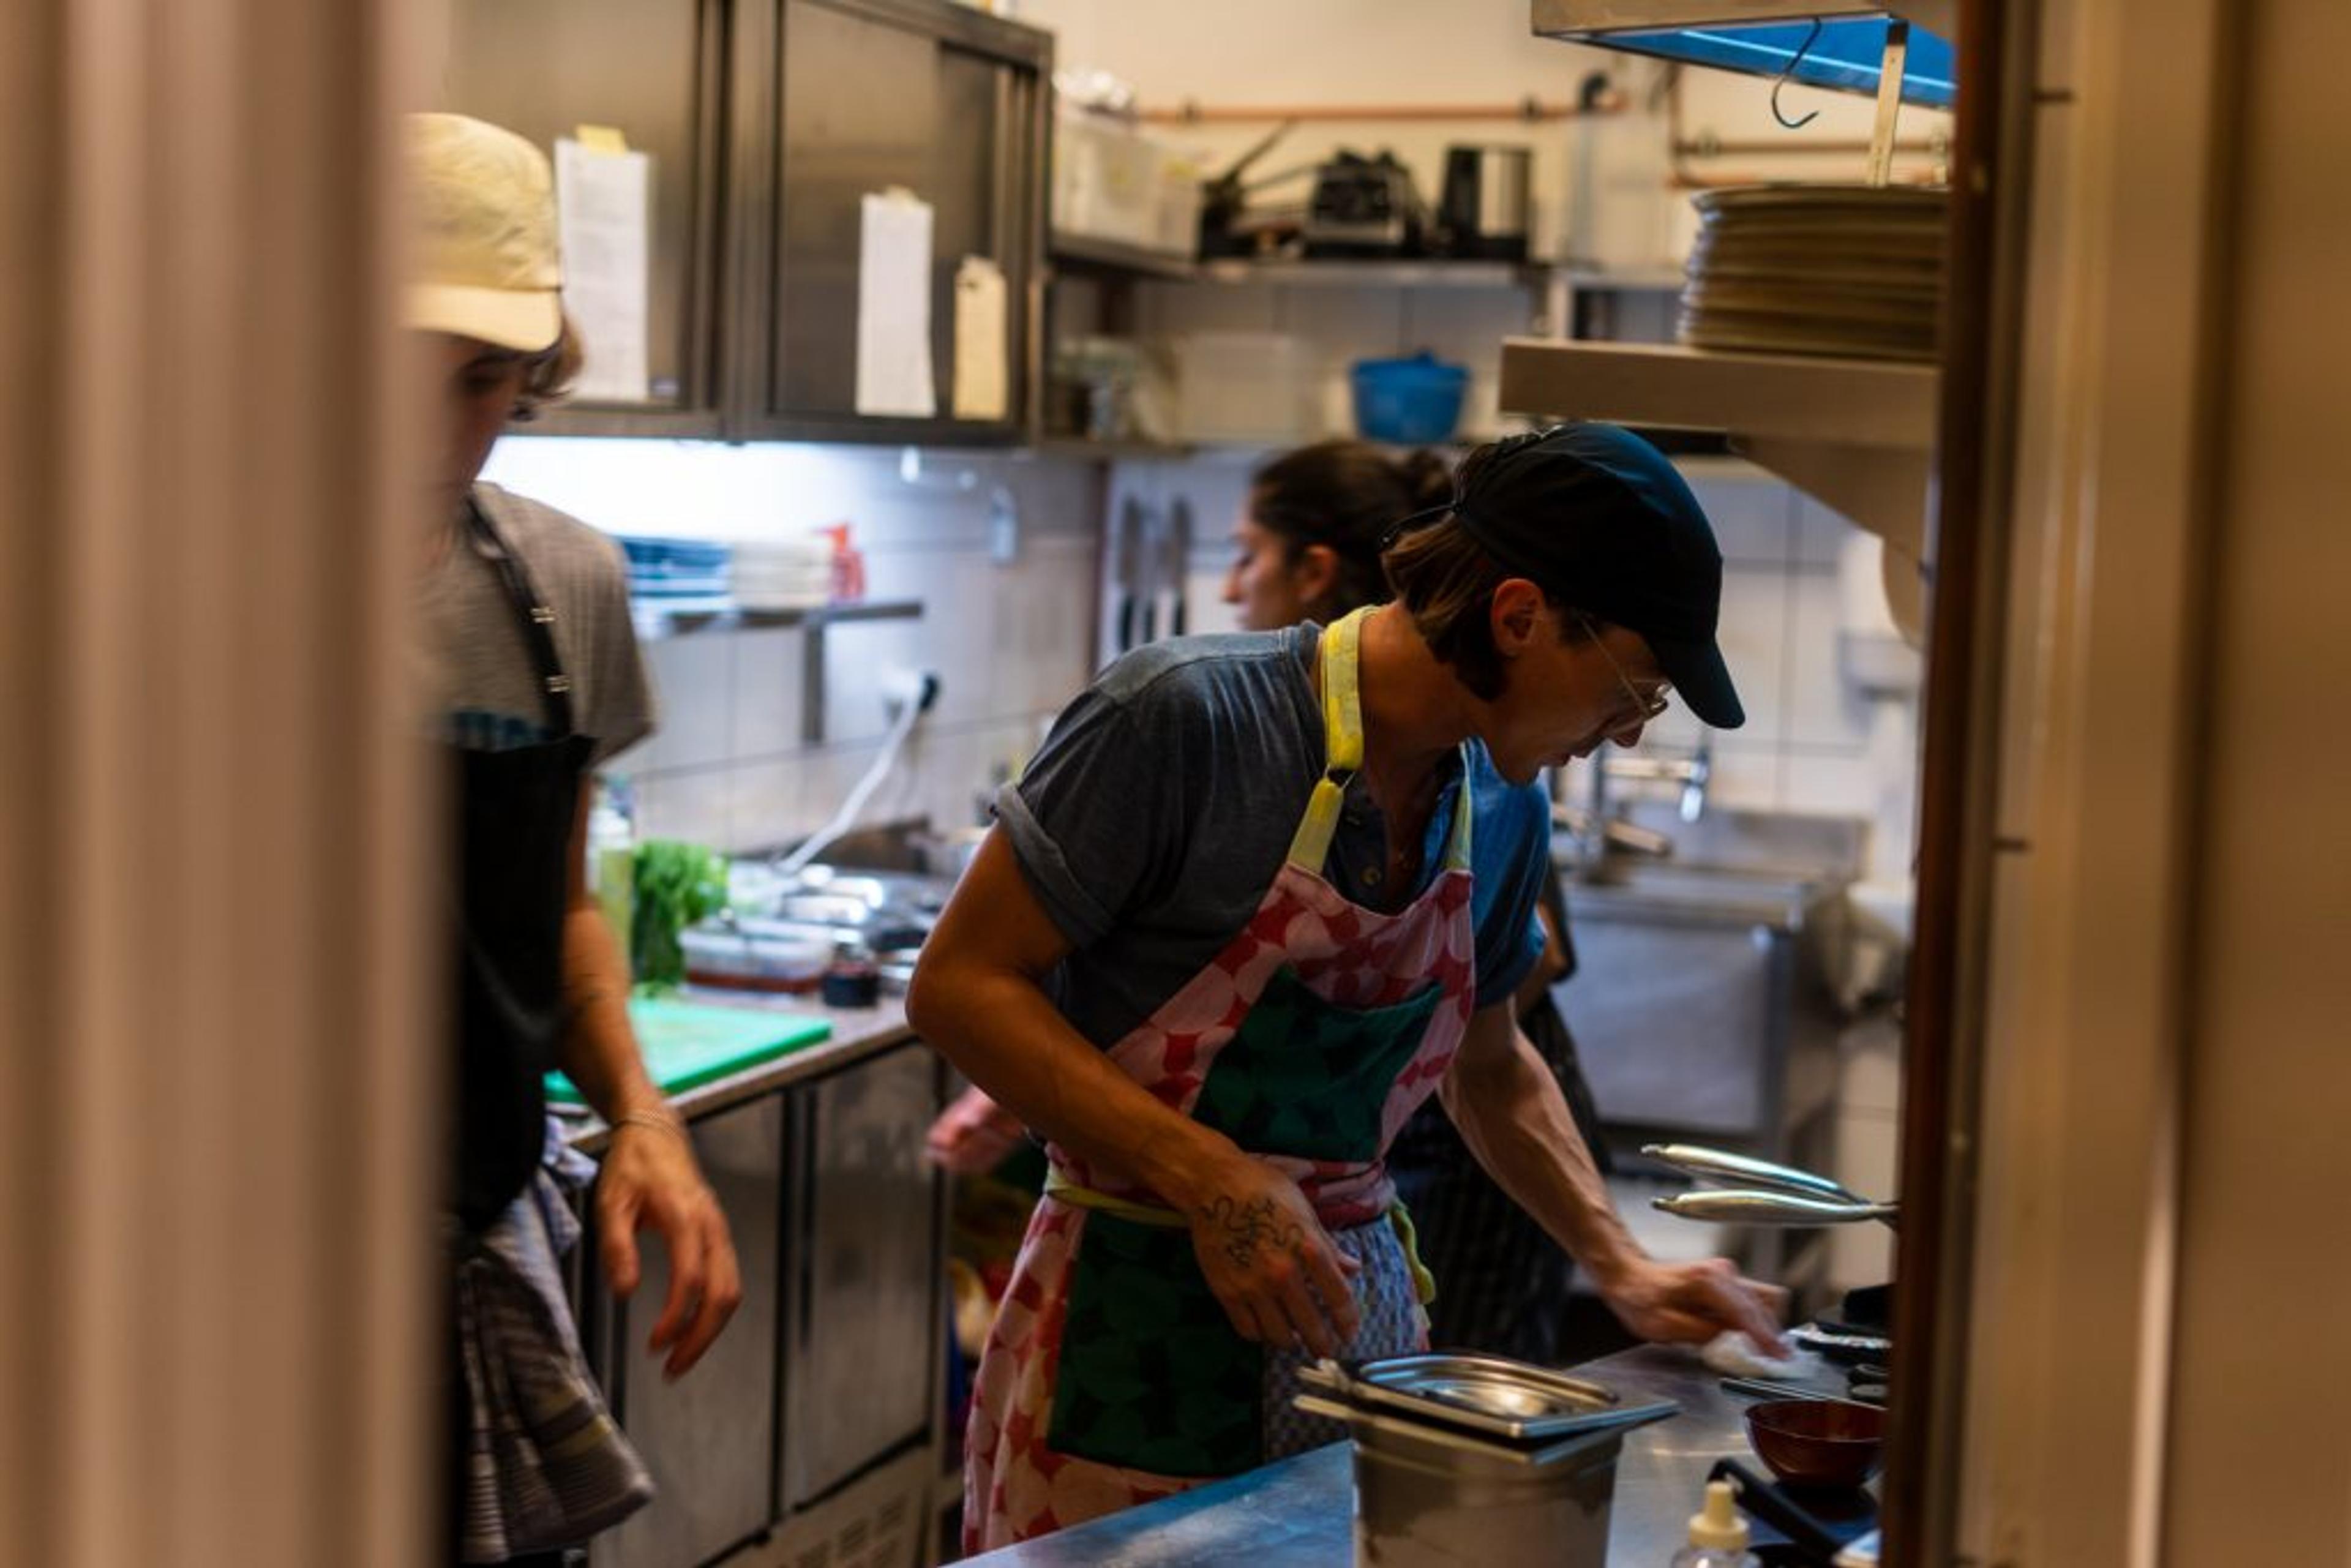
pixel 1604 840
pixel 1691 772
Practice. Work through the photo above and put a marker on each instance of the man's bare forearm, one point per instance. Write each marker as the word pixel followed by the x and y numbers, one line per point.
pixel 1510 1111
pixel 599 1050
pixel 1003 1033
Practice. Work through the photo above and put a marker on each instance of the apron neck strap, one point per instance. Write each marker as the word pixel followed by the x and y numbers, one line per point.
pixel 533 614
pixel 1341 660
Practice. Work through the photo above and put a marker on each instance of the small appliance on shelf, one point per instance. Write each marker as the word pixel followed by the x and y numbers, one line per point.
pixel 1366 208
pixel 1487 211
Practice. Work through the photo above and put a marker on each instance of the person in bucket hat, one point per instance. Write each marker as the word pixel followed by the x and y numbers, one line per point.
pixel 535 681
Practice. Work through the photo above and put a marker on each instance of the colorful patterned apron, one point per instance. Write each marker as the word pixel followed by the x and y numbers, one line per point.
pixel 1112 1375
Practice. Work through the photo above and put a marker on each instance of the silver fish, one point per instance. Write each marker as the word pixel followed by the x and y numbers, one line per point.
pixel 1740 1206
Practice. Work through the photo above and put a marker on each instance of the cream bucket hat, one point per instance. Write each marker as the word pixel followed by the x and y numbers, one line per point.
pixel 486 260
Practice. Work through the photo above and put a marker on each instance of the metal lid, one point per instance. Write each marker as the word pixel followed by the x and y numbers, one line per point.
pixel 1484 1393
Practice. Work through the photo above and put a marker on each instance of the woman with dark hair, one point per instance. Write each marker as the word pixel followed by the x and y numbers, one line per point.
pixel 1309 550
pixel 1308 542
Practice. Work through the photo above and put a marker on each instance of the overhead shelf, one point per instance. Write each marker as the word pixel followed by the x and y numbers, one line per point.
pixel 1077 253
pixel 1421 272
pixel 1857 434
pixel 1772 38
pixel 657 617
pixel 1782 397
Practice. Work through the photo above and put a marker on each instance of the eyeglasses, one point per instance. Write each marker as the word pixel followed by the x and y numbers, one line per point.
pixel 1649 707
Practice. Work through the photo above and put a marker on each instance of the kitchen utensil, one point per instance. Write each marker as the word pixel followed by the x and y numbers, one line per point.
pixel 1764 1388
pixel 1483 1394
pixel 1225 227
pixel 1844 1349
pixel 1439 1482
pixel 1739 1206
pixel 1720 1164
pixel 1429 1498
pixel 1175 563
pixel 1828 1443
pixel 1486 211
pixel 1129 574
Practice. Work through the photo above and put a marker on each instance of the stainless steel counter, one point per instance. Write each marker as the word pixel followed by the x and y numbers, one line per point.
pixel 857 1033
pixel 1295 1513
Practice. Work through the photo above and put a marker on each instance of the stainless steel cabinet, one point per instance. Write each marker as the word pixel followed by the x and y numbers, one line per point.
pixel 836 100
pixel 768 122
pixel 709 1437
pixel 1682 1026
pixel 655 71
pixel 863 1330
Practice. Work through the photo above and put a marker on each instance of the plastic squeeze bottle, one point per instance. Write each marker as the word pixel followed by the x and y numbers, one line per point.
pixel 1717 1534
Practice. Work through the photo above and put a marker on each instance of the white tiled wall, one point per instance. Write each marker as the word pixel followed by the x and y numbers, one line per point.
pixel 1343 324
pixel 1011 642
pixel 1811 744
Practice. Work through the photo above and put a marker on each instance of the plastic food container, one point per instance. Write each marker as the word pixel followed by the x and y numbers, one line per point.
pixel 742 961
pixel 1407 402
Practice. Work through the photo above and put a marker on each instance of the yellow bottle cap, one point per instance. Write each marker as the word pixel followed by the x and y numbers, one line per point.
pixel 1721 1527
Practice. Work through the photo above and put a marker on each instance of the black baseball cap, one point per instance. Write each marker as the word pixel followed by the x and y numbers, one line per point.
pixel 1599 519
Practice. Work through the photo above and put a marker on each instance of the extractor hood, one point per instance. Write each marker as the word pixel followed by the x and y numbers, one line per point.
pixel 1769 39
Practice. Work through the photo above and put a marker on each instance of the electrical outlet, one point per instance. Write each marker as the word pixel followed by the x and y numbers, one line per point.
pixel 920 687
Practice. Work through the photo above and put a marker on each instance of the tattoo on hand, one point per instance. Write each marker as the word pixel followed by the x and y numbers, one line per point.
pixel 1248 1228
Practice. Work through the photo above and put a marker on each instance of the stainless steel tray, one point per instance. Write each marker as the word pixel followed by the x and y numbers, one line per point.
pixel 1489 1395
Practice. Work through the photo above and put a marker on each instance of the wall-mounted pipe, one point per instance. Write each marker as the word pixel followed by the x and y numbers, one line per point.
pixel 1526 111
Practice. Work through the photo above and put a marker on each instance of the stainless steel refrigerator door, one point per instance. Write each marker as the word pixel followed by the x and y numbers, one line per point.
pixel 865 1330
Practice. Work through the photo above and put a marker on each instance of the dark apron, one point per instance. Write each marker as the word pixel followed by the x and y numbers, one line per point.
pixel 511 822
pixel 513 818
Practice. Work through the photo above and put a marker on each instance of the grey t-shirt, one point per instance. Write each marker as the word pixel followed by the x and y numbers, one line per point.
pixel 486 689
pixel 1159 811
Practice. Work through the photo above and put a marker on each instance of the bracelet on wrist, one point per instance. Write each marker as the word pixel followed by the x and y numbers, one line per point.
pixel 664 1120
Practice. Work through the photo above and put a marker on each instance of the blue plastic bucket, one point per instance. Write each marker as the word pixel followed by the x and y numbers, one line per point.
pixel 1407 402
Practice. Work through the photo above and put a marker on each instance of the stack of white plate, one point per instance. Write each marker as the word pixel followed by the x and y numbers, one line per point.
pixel 783 574
pixel 1854 271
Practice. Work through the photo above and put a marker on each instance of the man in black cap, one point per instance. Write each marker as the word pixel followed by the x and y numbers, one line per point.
pixel 1257 897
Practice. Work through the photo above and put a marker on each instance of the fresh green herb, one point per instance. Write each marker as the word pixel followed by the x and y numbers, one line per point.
pixel 673 885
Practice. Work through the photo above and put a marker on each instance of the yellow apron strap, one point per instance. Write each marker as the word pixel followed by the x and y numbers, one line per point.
pixel 1058 1185
pixel 1342 731
pixel 1343 742
pixel 1424 1283
pixel 1456 843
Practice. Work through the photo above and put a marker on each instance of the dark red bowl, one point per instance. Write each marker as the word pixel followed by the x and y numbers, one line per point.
pixel 1818 1442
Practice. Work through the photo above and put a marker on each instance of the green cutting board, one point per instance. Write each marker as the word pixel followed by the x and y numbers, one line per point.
pixel 687 1044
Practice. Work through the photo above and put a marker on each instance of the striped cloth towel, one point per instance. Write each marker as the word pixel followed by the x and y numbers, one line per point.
pixel 546 1467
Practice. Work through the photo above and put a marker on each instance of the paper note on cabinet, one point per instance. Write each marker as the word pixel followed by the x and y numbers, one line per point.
pixel 893 306
pixel 980 375
pixel 603 204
